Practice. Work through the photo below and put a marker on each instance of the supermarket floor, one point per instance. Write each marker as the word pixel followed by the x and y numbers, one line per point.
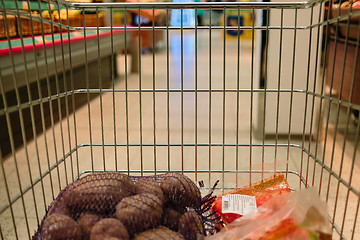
pixel 181 119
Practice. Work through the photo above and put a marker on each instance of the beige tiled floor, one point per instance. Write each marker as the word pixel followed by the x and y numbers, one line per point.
pixel 110 120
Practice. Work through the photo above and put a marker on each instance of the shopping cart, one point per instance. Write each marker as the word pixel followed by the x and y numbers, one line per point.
pixel 200 103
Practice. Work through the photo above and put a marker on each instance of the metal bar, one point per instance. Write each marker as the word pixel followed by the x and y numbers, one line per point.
pixel 2 161
pixel 95 91
pixel 237 99
pixel 42 108
pixel 140 99
pixel 32 115
pixel 100 87
pixel 154 95
pixel 336 228
pixel 252 92
pixel 173 5
pixel 173 28
pixel 10 203
pixel 182 89
pixel 326 50
pixel 338 19
pixel 357 131
pixel 341 18
pixel 87 93
pixel 292 87
pixel 8 122
pixel 175 90
pixel 210 25
pixel 265 88
pixel 58 24
pixel 306 97
pixel 205 171
pixel 342 40
pixel 329 109
pixel 338 114
pixel 126 98
pixel 168 85
pixel 348 192
pixel 196 97
pixel 218 144
pixel 59 107
pixel 22 118
pixel 113 70
pixel 1 234
pixel 355 219
pixel 13 200
pixel 51 109
pixel 224 99
pixel 278 94
pixel 314 89
pixel 66 107
pixel 72 97
pixel 66 97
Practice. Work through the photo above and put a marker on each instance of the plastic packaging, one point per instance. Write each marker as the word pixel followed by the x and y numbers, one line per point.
pixel 296 215
pixel 263 191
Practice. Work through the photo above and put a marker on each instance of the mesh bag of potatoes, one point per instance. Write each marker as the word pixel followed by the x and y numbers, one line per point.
pixel 111 205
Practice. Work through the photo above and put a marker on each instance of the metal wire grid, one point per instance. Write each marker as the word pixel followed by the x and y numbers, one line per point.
pixel 50 176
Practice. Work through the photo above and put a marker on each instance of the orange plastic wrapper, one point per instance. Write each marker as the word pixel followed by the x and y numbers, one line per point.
pixel 263 191
pixel 292 216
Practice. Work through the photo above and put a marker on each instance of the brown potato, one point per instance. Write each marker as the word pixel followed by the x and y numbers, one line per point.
pixel 87 220
pixel 57 226
pixel 139 212
pixel 171 218
pixel 59 206
pixel 190 225
pixel 109 228
pixel 149 185
pixel 159 233
pixel 180 190
pixel 99 192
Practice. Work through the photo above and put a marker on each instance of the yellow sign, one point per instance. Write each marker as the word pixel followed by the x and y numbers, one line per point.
pixel 233 18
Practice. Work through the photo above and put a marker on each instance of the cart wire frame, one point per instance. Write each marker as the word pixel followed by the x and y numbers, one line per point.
pixel 59 126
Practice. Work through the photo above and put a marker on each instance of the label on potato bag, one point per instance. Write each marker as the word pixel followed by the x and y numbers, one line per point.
pixel 238 203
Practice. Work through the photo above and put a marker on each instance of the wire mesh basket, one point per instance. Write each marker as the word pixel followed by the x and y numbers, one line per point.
pixel 148 88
